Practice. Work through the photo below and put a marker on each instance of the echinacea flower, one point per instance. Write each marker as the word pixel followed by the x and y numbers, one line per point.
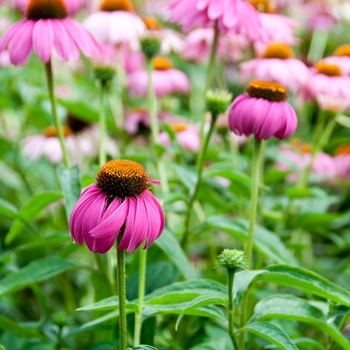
pixel 186 135
pixel 279 28
pixel 115 23
pixel 166 80
pixel 46 29
pixel 329 87
pixel 263 112
pixel 296 158
pixel 236 15
pixel 342 162
pixel 341 58
pixel 120 203
pixel 277 64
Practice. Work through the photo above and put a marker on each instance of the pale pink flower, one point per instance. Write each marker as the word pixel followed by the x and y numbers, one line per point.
pixel 166 80
pixel 277 64
pixel 5 59
pixel 119 203
pixel 342 162
pixel 44 30
pixel 341 58
pixel 115 23
pixel 186 135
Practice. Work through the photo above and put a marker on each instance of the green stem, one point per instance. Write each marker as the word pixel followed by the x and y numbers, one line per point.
pixel 343 323
pixel 318 45
pixel 142 283
pixel 231 330
pixel 255 180
pixel 121 280
pixel 102 145
pixel 201 160
pixel 152 106
pixel 59 339
pixel 58 125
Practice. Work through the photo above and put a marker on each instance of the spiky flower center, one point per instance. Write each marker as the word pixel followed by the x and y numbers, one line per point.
pixel 305 148
pixel 343 149
pixel 45 9
pixel 122 178
pixel 161 63
pixel 343 50
pixel 179 127
pixel 270 91
pixel 332 70
pixel 117 5
pixel 266 6
pixel 281 51
pixel 152 23
pixel 51 131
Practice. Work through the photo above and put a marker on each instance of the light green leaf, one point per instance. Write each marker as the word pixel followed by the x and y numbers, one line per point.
pixel 186 291
pixel 81 109
pixel 171 247
pixel 111 303
pixel 30 209
pixel 70 184
pixel 242 282
pixel 265 242
pixel 8 209
pixel 289 307
pixel 308 344
pixel 9 177
pixel 198 302
pixel 20 329
pixel 272 334
pixel 188 176
pixel 144 347
pixel 36 271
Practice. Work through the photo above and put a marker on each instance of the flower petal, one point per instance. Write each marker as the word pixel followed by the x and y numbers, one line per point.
pixel 129 226
pixel 43 39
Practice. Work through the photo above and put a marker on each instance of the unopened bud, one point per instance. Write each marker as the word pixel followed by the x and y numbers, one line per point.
pixel 217 101
pixel 232 259
pixel 150 46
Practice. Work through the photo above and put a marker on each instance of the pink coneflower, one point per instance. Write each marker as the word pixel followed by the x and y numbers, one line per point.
pixel 186 135
pixel 47 29
pixel 277 64
pixel 279 28
pixel 329 87
pixel 263 112
pixel 296 159
pixel 115 23
pixel 166 80
pixel 138 120
pixel 341 58
pixel 235 15
pixel 171 41
pixel 119 203
pixel 81 140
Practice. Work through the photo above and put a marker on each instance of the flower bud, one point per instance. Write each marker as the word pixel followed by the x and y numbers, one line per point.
pixel 104 74
pixel 232 259
pixel 217 101
pixel 150 46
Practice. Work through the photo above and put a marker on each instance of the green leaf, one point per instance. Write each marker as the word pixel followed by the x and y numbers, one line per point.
pixel 36 271
pixel 9 177
pixel 308 344
pixel 58 238
pixel 171 247
pixel 265 242
pixel 144 347
pixel 186 291
pixel 289 307
pixel 272 334
pixel 30 209
pixel 198 302
pixel 80 109
pixel 306 280
pixel 20 329
pixel 70 184
pixel 111 303
pixel 8 209
pixel 242 282
pixel 188 176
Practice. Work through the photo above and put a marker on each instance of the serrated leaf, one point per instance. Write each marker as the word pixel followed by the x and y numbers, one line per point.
pixel 289 307
pixel 271 333
pixel 70 184
pixel 36 271
pixel 198 302
pixel 171 247
pixel 30 209
pixel 265 242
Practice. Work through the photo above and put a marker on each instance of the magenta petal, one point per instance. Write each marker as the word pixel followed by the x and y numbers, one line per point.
pixel 129 226
pixel 61 40
pixel 112 224
pixel 43 39
pixel 6 38
pixel 140 225
pixel 21 43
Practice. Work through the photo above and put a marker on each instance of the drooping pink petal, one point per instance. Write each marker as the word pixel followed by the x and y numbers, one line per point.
pixel 43 39
pixel 140 225
pixel 61 41
pixel 21 43
pixel 216 9
pixel 112 224
pixel 6 38
pixel 129 226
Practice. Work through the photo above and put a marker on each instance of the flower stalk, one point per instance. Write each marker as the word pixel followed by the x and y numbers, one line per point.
pixel 57 121
pixel 102 145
